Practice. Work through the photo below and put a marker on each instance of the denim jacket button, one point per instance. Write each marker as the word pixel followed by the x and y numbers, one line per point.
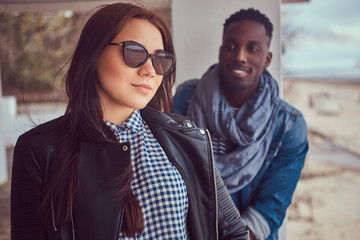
pixel 189 125
pixel 202 131
pixel 125 148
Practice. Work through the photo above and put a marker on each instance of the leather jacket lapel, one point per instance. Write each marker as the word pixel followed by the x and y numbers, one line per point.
pixel 98 212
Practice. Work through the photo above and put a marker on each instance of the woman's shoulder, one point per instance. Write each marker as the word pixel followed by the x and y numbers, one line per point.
pixel 153 115
pixel 45 133
pixel 47 127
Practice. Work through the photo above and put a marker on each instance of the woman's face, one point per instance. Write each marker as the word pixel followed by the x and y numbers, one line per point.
pixel 123 89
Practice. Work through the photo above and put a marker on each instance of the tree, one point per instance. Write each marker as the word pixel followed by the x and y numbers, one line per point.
pixel 34 47
pixel 289 31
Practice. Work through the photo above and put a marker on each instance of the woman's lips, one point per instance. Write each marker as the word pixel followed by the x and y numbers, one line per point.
pixel 142 87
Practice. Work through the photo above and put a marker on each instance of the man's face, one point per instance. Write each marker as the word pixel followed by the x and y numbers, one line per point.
pixel 244 55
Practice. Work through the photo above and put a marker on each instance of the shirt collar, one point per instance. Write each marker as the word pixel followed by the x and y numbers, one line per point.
pixel 133 123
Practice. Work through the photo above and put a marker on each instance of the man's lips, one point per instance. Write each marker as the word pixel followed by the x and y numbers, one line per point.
pixel 240 71
pixel 240 68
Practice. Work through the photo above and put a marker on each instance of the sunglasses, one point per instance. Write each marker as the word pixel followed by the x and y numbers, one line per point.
pixel 135 55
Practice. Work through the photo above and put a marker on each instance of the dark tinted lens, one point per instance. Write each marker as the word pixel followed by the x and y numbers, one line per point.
pixel 134 55
pixel 162 62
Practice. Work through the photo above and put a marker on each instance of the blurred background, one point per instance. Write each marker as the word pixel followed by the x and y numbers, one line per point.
pixel 316 48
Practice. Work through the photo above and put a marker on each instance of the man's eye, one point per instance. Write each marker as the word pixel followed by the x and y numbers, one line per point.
pixel 254 49
pixel 229 47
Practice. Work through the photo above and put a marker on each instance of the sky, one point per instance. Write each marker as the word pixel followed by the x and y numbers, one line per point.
pixel 327 43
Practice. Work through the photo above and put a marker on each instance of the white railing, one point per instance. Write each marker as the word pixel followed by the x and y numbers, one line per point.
pixel 15 120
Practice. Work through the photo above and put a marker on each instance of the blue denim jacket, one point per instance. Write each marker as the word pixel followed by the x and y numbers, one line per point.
pixel 263 202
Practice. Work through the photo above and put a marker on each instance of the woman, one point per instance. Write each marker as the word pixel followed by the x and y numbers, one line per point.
pixel 107 170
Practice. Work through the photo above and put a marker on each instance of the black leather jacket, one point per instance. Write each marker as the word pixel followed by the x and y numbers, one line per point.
pixel 211 214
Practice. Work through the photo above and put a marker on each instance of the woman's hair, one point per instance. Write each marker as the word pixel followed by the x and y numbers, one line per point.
pixel 84 109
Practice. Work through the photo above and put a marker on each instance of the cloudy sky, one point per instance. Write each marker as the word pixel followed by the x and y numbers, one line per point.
pixel 327 43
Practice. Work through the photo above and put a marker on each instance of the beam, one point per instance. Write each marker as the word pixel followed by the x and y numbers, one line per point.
pixel 294 1
pixel 51 6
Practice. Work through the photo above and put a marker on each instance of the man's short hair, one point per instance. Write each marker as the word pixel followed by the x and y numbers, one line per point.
pixel 251 14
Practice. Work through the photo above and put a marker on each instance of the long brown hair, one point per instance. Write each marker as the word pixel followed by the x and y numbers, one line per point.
pixel 84 105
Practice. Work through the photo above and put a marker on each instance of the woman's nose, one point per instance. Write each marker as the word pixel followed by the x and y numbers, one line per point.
pixel 147 70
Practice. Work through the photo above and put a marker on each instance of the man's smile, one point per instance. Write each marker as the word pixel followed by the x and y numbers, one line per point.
pixel 240 71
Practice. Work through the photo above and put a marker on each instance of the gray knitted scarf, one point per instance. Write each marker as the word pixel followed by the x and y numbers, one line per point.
pixel 251 129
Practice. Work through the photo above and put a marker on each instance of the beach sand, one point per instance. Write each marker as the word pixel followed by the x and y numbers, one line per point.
pixel 326 203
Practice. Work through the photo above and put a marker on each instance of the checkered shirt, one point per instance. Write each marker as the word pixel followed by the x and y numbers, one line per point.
pixel 157 184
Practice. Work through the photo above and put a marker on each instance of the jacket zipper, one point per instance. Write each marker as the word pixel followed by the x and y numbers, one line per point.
pixel 214 182
pixel 72 226
pixel 53 220
pixel 53 215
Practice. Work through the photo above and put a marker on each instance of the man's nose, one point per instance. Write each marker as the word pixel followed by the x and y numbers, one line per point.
pixel 241 55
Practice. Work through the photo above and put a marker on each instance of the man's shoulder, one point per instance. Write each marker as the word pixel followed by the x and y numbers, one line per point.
pixel 186 88
pixel 290 120
pixel 183 95
pixel 288 109
pixel 191 82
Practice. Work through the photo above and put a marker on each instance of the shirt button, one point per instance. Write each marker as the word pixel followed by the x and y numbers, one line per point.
pixel 125 148
pixel 189 125
pixel 202 131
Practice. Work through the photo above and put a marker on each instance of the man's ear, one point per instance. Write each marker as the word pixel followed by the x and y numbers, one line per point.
pixel 220 52
pixel 268 59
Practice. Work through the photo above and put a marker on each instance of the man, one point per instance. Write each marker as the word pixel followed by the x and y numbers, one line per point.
pixel 259 140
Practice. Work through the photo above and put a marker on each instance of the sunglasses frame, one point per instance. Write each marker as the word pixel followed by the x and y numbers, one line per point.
pixel 148 55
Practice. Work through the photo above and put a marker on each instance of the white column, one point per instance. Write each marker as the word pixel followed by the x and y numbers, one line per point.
pixel 8 115
pixel 3 159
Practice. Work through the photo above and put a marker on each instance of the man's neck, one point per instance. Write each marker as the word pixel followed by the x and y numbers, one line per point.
pixel 236 98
